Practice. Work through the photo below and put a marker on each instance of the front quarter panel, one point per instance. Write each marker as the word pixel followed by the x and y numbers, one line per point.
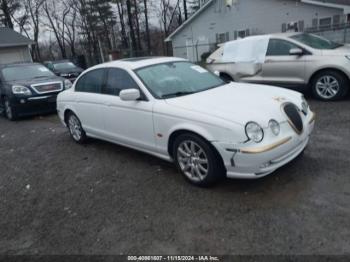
pixel 168 119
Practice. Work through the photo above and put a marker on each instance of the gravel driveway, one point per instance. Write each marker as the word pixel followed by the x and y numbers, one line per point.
pixel 58 197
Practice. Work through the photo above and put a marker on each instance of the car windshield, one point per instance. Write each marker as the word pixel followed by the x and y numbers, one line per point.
pixel 25 72
pixel 315 41
pixel 175 79
pixel 64 65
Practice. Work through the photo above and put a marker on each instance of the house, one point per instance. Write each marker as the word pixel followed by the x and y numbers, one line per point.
pixel 14 48
pixel 219 21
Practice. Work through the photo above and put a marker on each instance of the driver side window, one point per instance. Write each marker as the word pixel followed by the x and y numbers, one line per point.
pixel 279 47
pixel 118 80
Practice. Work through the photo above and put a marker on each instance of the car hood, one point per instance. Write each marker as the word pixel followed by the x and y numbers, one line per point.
pixel 29 82
pixel 240 103
pixel 341 51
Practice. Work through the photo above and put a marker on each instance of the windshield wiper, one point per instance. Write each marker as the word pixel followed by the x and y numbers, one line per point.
pixel 181 93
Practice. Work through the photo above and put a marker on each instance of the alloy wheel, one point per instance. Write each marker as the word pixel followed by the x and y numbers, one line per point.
pixel 327 87
pixel 75 128
pixel 192 160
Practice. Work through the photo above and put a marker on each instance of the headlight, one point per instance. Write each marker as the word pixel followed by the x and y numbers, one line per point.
pixel 21 90
pixel 254 132
pixel 67 84
pixel 304 105
pixel 275 127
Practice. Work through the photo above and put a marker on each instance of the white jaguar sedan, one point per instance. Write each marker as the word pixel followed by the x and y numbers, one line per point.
pixel 180 112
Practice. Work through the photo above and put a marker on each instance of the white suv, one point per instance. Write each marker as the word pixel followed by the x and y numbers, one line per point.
pixel 294 60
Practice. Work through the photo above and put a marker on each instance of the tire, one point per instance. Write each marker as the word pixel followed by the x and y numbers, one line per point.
pixel 75 129
pixel 197 160
pixel 330 85
pixel 9 111
pixel 226 78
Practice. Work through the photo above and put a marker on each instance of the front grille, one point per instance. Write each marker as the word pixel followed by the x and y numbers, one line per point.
pixel 294 118
pixel 48 87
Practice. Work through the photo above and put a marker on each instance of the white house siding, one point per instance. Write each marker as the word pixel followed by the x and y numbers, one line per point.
pixel 15 55
pixel 259 16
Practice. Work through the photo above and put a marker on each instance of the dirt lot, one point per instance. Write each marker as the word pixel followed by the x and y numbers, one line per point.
pixel 57 197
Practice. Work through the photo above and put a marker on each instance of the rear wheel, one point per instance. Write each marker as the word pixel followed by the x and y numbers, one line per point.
pixel 197 160
pixel 330 85
pixel 75 128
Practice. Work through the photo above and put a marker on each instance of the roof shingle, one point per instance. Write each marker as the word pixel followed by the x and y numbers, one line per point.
pixel 9 37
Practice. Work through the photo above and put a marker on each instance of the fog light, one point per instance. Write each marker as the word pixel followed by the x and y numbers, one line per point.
pixel 275 127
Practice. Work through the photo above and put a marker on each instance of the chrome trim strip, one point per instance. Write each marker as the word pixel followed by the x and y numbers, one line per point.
pixel 38 97
pixel 47 83
pixel 263 149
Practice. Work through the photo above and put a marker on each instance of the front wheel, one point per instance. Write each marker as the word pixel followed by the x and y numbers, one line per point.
pixel 330 85
pixel 197 160
pixel 10 112
pixel 75 129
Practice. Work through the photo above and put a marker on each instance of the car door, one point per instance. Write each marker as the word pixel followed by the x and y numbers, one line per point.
pixel 89 101
pixel 127 122
pixel 281 68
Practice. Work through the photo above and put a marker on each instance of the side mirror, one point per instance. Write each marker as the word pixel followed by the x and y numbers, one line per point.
pixel 296 51
pixel 216 72
pixel 129 94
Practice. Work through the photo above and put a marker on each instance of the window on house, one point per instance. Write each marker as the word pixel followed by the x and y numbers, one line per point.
pixel 284 27
pixel 325 23
pixel 292 26
pixel 242 34
pixel 301 26
pixel 315 23
pixel 235 35
pixel 336 21
pixel 222 38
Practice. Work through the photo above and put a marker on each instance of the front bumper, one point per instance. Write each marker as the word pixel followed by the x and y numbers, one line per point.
pixel 27 106
pixel 256 161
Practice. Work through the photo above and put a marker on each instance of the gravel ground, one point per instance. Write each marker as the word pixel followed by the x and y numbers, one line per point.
pixel 58 197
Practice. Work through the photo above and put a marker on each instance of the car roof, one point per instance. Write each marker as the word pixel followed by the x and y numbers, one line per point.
pixel 135 63
pixel 58 61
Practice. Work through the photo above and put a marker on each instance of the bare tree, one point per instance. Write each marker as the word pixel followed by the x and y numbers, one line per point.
pixel 71 26
pixel 168 12
pixel 124 36
pixel 148 39
pixel 33 8
pixel 131 27
pixel 9 7
pixel 57 22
